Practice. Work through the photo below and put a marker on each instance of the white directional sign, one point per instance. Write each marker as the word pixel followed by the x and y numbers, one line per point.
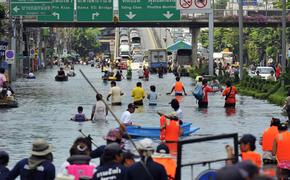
pixel 193 4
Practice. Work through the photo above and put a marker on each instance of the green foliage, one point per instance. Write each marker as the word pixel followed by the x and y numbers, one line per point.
pixel 259 42
pixel 84 40
pixel 2 11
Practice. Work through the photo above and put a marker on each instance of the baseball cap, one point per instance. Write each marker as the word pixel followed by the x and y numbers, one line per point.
pixel 145 144
pixel 162 148
pixel 131 105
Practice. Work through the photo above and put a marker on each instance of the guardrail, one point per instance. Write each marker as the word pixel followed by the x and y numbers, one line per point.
pixel 181 143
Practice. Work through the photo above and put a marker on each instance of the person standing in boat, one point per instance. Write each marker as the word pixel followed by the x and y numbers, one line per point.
pixel 100 110
pixel 178 87
pixel 116 94
pixel 138 94
pixel 80 116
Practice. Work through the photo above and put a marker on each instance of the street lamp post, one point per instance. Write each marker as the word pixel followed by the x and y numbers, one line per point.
pixel 241 38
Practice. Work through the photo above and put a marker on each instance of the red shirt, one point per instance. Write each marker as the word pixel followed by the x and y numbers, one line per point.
pixel 206 90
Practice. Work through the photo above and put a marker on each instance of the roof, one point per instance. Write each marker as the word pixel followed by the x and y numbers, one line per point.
pixel 178 45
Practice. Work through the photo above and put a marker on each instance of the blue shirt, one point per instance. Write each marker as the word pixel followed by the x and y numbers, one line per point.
pixel 111 171
pixel 45 171
pixel 137 171
pixel 4 171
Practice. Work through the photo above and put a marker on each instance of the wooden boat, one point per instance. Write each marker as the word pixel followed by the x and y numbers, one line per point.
pixel 61 78
pixel 8 103
pixel 154 132
pixel 112 78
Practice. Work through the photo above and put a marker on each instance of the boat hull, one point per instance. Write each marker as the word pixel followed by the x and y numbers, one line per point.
pixel 8 103
pixel 154 132
pixel 61 78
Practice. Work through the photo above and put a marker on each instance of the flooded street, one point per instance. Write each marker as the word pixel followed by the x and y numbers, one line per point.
pixel 46 106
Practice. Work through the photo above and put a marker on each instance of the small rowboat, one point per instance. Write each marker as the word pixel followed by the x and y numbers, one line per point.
pixel 61 78
pixel 154 132
pixel 8 103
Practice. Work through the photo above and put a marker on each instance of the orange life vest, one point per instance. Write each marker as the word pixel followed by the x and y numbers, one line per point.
pixel 268 138
pixel 252 156
pixel 178 86
pixel 169 165
pixel 283 146
pixel 172 131
pixel 162 131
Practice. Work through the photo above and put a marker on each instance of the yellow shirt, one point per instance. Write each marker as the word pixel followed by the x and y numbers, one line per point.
pixel 138 93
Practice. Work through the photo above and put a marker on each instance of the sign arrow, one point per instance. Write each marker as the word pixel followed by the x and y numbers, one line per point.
pixel 16 9
pixel 130 15
pixel 56 14
pixel 168 15
pixel 96 14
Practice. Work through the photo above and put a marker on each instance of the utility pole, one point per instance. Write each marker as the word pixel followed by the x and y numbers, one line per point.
pixel 241 38
pixel 283 61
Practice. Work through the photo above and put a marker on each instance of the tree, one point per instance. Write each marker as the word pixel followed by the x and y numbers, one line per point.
pixel 84 40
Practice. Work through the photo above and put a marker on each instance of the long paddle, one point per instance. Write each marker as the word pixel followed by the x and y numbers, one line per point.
pixel 121 125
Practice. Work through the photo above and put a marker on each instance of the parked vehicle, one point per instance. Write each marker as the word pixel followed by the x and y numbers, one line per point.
pixel 124 40
pixel 265 71
pixel 184 60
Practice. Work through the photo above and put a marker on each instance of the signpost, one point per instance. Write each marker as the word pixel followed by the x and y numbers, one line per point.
pixel 94 10
pixel 193 4
pixel 30 8
pixel 9 56
pixel 61 11
pixel 147 10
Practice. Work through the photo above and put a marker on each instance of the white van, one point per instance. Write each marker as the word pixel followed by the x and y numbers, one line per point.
pixel 265 71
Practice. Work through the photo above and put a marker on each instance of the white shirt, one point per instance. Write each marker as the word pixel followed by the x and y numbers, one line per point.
pixel 31 74
pixel 100 111
pixel 126 118
pixel 140 72
pixel 116 94
pixel 178 113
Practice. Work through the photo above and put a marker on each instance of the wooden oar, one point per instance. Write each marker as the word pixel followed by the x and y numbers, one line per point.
pixel 122 127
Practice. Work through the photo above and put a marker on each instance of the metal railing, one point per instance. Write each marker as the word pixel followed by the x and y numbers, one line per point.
pixel 181 143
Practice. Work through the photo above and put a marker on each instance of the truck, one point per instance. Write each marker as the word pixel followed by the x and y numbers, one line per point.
pixel 157 58
pixel 184 61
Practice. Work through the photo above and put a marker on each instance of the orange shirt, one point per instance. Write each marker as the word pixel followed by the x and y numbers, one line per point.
pixel 268 138
pixel 206 90
pixel 178 87
pixel 253 156
pixel 232 96
pixel 283 146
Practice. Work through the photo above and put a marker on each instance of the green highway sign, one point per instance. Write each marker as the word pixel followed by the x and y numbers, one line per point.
pixel 31 1
pixel 94 10
pixel 30 8
pixel 147 10
pixel 61 11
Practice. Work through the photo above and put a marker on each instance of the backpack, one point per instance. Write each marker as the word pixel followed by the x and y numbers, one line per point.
pixel 198 92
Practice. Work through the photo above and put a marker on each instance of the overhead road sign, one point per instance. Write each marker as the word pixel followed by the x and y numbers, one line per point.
pixel 193 4
pixel 61 11
pixel 30 8
pixel 94 10
pixel 148 10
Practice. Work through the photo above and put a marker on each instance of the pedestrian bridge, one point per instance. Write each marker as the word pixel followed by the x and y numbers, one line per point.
pixel 222 18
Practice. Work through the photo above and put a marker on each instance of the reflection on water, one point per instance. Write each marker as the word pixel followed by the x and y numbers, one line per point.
pixel 46 106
